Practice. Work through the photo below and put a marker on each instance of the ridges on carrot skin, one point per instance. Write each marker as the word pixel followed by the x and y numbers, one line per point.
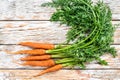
pixel 42 57
pixel 31 52
pixel 48 62
pixel 51 69
pixel 45 63
pixel 32 58
pixel 38 45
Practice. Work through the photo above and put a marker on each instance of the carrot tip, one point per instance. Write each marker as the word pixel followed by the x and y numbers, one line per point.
pixel 23 64
pixel 15 52
pixel 17 62
pixel 22 59
pixel 11 52
pixel 36 75
pixel 40 74
pixel 19 43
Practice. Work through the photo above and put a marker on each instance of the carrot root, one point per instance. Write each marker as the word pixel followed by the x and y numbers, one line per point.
pixel 45 63
pixel 32 52
pixel 33 58
pixel 51 69
pixel 38 45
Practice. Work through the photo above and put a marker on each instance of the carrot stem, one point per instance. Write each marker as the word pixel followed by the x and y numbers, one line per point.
pixel 64 60
pixel 60 55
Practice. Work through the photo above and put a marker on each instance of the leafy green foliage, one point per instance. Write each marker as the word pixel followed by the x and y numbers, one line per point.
pixel 91 29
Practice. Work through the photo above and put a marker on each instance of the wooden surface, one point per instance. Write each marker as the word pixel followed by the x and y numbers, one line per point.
pixel 25 20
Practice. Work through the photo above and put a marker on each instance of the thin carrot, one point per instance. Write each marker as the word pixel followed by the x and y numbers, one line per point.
pixel 45 63
pixel 32 52
pixel 38 45
pixel 42 57
pixel 51 69
pixel 32 58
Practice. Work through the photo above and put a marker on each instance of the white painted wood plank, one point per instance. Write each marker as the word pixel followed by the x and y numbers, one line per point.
pixel 9 60
pixel 13 32
pixel 41 31
pixel 61 75
pixel 31 10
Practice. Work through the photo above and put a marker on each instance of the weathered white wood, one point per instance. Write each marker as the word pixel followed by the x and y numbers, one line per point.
pixel 10 61
pixel 61 75
pixel 44 31
pixel 31 10
pixel 41 31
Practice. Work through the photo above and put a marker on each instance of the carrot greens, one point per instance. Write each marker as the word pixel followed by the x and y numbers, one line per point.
pixel 90 30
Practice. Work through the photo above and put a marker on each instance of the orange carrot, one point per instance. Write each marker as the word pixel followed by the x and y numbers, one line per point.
pixel 42 57
pixel 51 69
pixel 38 45
pixel 32 58
pixel 45 63
pixel 32 52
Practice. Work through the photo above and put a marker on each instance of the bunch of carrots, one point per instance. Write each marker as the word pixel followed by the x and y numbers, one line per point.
pixel 90 31
pixel 41 56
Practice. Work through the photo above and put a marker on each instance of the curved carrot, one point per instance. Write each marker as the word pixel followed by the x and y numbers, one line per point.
pixel 32 52
pixel 32 58
pixel 38 45
pixel 51 69
pixel 45 63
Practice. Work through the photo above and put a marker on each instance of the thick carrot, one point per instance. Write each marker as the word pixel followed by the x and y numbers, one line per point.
pixel 51 69
pixel 32 52
pixel 32 58
pixel 45 63
pixel 38 45
pixel 48 62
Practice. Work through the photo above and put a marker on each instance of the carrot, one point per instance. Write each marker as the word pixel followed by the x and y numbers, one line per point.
pixel 32 52
pixel 42 57
pixel 32 58
pixel 51 69
pixel 48 62
pixel 38 45
pixel 45 63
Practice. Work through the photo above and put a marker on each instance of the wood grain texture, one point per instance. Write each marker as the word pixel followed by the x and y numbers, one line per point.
pixel 13 32
pixel 31 9
pixel 41 31
pixel 61 75
pixel 35 26
pixel 11 61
